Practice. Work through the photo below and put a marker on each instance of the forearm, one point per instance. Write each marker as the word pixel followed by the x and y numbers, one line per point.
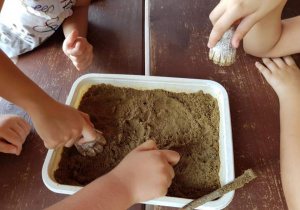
pixel 17 88
pixel 290 149
pixel 104 193
pixel 78 21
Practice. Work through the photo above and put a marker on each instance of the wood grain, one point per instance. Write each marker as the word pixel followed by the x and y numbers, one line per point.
pixel 179 34
pixel 116 32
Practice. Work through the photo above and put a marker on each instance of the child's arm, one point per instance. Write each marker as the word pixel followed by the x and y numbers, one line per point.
pixel 284 77
pixel 144 174
pixel 272 37
pixel 227 12
pixel 57 124
pixel 76 46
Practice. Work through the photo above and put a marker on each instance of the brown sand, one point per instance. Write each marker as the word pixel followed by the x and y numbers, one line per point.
pixel 186 123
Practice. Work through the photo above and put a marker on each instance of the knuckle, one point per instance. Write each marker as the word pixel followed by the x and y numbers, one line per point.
pixel 239 5
pixel 212 17
pixel 267 61
pixel 157 154
pixel 218 29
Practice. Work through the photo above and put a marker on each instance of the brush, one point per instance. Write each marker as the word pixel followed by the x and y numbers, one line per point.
pixel 223 53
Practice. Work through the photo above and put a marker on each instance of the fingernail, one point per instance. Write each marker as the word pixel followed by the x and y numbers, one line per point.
pixel 209 45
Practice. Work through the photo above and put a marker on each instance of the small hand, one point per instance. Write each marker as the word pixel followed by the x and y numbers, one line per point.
pixel 227 12
pixel 283 75
pixel 147 172
pixel 60 125
pixel 13 132
pixel 79 50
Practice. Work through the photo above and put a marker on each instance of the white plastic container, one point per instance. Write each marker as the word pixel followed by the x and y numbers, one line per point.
pixel 226 173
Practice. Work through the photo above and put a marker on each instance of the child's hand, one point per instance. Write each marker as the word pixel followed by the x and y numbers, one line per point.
pixel 283 75
pixel 13 132
pixel 78 50
pixel 227 12
pixel 147 172
pixel 60 125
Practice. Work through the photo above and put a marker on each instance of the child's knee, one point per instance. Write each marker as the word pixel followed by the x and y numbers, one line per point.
pixel 257 52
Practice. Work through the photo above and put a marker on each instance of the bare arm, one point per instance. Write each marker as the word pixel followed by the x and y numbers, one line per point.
pixel 284 76
pixel 250 12
pixel 79 19
pixel 144 174
pixel 290 148
pixel 106 192
pixel 16 87
pixel 56 123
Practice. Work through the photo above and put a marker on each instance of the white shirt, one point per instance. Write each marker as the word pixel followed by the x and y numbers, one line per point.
pixel 25 24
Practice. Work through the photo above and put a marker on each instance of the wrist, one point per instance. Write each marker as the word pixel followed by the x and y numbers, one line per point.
pixel 289 97
pixel 123 187
pixel 37 105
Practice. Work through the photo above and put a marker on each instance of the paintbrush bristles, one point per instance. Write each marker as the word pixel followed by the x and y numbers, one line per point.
pixel 223 53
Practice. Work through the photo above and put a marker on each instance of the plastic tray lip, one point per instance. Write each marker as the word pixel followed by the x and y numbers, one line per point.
pixel 166 200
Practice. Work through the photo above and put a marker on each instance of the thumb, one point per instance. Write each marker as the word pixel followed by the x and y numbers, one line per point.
pixel 70 39
pixel 7 148
pixel 171 156
pixel 148 145
pixel 88 134
pixel 243 28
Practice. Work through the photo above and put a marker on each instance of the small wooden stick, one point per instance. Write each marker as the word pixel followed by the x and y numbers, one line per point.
pixel 237 183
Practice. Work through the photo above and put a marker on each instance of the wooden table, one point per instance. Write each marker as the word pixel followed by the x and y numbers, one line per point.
pixel 179 33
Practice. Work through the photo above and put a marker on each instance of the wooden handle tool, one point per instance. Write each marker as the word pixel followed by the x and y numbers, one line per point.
pixel 237 183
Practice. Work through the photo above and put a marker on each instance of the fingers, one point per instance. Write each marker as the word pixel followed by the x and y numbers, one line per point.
pixel 148 145
pixel 20 131
pixel 78 49
pixel 217 13
pixel 70 40
pixel 289 60
pixel 71 141
pixel 243 28
pixel 82 54
pixel 7 148
pixel 270 64
pixel 84 64
pixel 279 62
pixel 25 125
pixel 88 134
pixel 265 71
pixel 171 156
pixel 221 26
pixel 13 138
pixel 87 118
